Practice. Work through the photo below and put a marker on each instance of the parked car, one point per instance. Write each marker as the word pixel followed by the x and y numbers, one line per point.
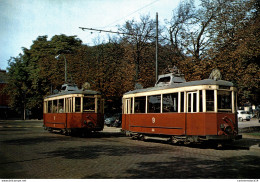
pixel 243 115
pixel 114 120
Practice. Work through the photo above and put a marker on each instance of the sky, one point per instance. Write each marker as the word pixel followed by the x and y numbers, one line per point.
pixel 22 21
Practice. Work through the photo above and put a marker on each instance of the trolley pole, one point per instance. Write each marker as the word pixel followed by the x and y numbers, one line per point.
pixel 156 49
pixel 65 61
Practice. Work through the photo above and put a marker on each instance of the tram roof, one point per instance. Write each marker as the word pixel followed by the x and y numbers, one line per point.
pixel 85 92
pixel 184 84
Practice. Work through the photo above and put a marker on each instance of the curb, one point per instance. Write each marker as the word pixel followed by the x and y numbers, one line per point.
pixel 245 135
pixel 255 148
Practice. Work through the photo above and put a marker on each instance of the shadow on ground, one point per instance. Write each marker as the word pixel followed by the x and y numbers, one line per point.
pixel 95 151
pixel 228 168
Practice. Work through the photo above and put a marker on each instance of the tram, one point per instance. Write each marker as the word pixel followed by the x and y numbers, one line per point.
pixel 74 110
pixel 194 111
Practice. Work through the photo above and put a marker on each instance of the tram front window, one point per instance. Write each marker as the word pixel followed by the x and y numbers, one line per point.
pixel 88 104
pixel 224 101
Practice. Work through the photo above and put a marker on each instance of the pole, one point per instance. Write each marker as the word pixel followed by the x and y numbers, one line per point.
pixel 156 49
pixel 65 69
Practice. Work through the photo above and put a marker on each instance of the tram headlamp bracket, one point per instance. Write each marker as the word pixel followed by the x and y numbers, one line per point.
pixel 226 128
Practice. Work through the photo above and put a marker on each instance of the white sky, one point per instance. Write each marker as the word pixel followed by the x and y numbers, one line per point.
pixel 22 21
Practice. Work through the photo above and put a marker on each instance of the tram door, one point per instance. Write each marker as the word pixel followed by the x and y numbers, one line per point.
pixel 69 104
pixel 128 110
pixel 194 124
pixel 192 102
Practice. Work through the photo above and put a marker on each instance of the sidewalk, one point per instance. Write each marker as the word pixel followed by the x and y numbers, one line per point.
pixel 246 124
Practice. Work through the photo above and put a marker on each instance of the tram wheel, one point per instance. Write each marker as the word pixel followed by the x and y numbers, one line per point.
pixel 141 137
pixel 67 132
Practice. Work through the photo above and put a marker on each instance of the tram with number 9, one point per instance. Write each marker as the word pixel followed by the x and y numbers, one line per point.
pixel 182 111
pixel 74 110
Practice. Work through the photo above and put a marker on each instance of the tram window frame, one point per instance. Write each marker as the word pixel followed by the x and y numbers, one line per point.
pixel 87 110
pixel 224 105
pixel 182 102
pixel 173 105
pixel 154 107
pixel 210 104
pixel 45 106
pixel 166 79
pixel 139 104
pixel 192 101
pixel 235 101
pixel 200 101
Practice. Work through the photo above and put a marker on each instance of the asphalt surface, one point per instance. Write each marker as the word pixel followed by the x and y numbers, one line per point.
pixel 29 152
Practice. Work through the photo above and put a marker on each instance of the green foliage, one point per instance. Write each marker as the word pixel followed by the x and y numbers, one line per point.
pixel 218 34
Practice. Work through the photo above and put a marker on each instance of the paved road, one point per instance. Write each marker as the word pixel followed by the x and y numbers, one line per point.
pixel 28 152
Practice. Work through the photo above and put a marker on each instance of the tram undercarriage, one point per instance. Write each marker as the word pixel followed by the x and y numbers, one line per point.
pixel 184 139
pixel 73 131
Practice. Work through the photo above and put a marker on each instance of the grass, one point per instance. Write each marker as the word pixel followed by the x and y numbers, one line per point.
pixel 254 134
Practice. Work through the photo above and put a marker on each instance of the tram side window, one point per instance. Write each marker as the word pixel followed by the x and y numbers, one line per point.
pixel 154 104
pixel 224 101
pixel 89 104
pixel 139 104
pixel 210 100
pixel 61 106
pixel 170 102
pixel 77 104
pixel 55 106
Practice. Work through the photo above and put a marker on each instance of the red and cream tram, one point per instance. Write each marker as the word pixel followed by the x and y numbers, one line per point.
pixel 74 110
pixel 183 111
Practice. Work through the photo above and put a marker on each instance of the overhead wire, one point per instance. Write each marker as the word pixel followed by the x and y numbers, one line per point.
pixel 129 14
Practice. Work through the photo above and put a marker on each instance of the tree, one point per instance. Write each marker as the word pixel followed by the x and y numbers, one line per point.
pixel 138 35
pixel 18 84
pixel 33 73
pixel 177 28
